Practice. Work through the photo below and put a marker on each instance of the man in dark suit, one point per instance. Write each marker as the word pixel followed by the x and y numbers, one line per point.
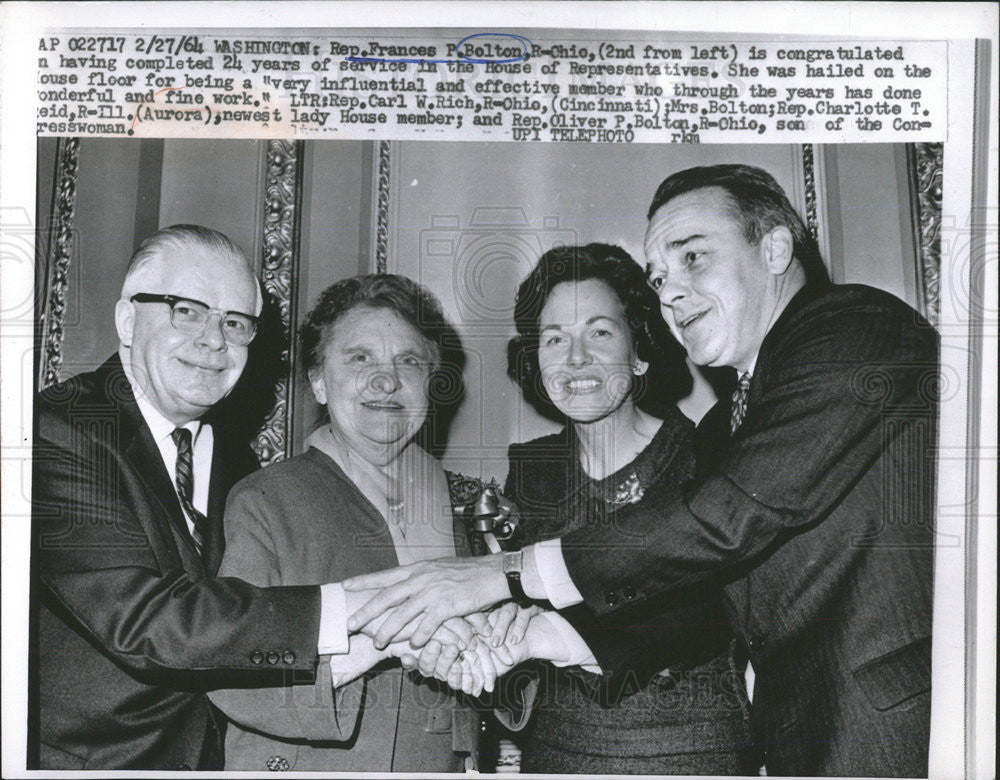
pixel 130 478
pixel 817 515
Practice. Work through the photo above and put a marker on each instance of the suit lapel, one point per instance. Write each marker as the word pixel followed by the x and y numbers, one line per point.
pixel 220 481
pixel 712 439
pixel 142 455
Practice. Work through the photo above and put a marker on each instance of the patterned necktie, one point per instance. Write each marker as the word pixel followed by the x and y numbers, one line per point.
pixel 740 402
pixel 185 486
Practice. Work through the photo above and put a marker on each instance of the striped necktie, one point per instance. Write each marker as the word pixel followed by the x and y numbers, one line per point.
pixel 739 407
pixel 185 486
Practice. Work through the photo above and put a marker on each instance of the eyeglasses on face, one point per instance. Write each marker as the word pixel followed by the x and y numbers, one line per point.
pixel 190 316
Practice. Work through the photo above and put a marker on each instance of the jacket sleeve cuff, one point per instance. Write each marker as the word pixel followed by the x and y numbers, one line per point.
pixel 579 654
pixel 559 588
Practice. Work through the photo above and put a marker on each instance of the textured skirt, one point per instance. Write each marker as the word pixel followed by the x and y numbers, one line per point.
pixel 694 721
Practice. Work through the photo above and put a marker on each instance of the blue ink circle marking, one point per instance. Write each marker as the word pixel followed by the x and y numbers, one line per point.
pixel 525 47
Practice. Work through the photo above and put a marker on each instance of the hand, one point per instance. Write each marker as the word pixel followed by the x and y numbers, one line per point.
pixel 508 623
pixel 441 651
pixel 478 668
pixel 470 671
pixel 482 664
pixel 540 640
pixel 474 671
pixel 459 633
pixel 429 592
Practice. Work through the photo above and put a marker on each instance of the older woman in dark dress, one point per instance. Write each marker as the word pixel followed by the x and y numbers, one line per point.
pixel 590 350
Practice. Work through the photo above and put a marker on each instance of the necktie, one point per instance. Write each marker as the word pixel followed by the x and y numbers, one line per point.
pixel 740 402
pixel 185 486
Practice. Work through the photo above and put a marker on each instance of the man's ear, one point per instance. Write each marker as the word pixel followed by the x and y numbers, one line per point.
pixel 778 249
pixel 124 321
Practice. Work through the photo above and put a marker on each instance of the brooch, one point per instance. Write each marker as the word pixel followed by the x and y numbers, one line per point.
pixel 277 764
pixel 630 491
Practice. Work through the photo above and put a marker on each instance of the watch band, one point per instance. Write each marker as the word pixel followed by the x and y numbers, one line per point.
pixel 513 563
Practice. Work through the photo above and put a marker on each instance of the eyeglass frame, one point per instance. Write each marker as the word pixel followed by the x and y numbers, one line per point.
pixel 173 300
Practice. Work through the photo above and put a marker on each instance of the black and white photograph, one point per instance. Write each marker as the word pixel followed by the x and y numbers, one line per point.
pixel 550 415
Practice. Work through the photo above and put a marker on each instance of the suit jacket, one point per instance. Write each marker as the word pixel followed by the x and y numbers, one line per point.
pixel 818 516
pixel 281 529
pixel 131 625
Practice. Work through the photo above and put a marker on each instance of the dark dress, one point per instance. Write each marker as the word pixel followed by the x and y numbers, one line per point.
pixel 690 719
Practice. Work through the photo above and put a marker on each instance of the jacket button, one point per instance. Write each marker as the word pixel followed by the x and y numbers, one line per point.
pixel 273 657
pixel 257 657
pixel 611 598
pixel 757 643
pixel 288 657
pixel 629 591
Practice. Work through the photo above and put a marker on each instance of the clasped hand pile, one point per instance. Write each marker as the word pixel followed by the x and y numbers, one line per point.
pixel 494 643
pixel 468 653
pixel 438 617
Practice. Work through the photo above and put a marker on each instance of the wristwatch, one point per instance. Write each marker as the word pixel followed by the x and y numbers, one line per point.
pixel 513 564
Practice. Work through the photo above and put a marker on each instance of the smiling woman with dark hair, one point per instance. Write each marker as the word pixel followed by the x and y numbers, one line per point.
pixel 665 378
pixel 593 348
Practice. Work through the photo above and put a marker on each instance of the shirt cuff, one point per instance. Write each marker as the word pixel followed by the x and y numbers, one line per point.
pixel 579 653
pixel 559 588
pixel 333 620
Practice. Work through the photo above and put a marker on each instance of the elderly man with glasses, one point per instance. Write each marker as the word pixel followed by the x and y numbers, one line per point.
pixel 130 479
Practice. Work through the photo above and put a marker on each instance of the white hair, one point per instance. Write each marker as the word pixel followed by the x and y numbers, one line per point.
pixel 185 237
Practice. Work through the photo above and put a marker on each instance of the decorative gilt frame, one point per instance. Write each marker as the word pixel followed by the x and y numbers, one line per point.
pixel 60 254
pixel 925 163
pixel 279 278
pixel 383 205
pixel 811 177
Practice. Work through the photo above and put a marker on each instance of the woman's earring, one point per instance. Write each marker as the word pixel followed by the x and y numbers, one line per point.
pixel 640 367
